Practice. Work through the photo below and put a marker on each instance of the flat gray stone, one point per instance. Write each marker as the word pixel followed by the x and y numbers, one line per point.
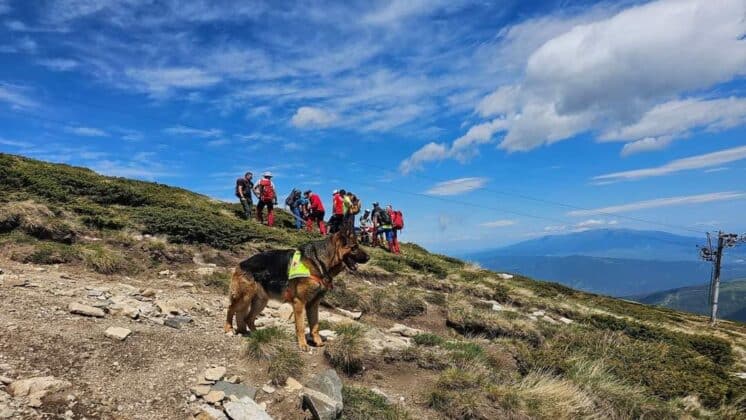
pixel 85 310
pixel 238 390
pixel 245 409
pixel 117 333
pixel 177 321
pixel 210 413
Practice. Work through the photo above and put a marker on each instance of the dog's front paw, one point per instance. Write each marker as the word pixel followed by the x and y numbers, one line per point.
pixel 304 347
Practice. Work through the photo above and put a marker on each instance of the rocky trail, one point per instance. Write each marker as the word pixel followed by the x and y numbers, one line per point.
pixel 76 344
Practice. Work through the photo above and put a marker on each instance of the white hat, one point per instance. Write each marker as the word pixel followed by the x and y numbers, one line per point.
pixel 335 191
pixel 267 174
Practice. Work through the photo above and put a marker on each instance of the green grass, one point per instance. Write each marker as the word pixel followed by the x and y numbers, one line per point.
pixel 265 343
pixel 286 362
pixel 346 351
pixel 363 404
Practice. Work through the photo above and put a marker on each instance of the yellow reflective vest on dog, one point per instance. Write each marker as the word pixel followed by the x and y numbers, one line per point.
pixel 297 269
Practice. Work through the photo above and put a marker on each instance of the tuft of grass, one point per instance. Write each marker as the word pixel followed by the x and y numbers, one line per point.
pixel 398 302
pixel 265 343
pixel 428 339
pixel 346 351
pixel 363 404
pixel 342 297
pixel 467 319
pixel 53 253
pixel 37 221
pixel 104 261
pixel 284 363
pixel 218 279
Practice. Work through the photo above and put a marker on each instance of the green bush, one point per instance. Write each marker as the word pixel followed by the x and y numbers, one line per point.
pixel 284 363
pixel 53 253
pixel 346 351
pixel 104 261
pixel 428 339
pixel 265 343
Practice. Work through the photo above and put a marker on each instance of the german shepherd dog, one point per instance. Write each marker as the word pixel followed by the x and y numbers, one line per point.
pixel 265 275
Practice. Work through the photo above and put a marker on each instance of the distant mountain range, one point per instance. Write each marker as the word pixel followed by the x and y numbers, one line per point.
pixel 616 262
pixel 732 301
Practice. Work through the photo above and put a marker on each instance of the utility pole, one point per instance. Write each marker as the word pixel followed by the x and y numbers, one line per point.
pixel 725 240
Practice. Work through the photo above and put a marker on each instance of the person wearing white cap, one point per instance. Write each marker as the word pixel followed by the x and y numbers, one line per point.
pixel 265 191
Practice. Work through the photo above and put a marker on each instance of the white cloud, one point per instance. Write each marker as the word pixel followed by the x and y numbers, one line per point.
pixel 594 223
pixel 648 144
pixel 457 186
pixel 395 11
pixel 596 76
pixel 693 162
pixel 662 202
pixel 16 97
pixel 499 223
pixel 15 143
pixel 307 117
pixel 59 64
pixel 87 131
pixel 181 130
pixel 160 81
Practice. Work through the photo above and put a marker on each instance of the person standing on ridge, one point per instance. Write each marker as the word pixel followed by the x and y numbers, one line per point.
pixel 265 191
pixel 383 221
pixel 316 212
pixel 244 188
pixel 397 224
pixel 352 207
pixel 338 211
pixel 292 202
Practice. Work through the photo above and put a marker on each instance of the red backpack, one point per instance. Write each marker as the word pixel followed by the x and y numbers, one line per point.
pixel 268 191
pixel 397 220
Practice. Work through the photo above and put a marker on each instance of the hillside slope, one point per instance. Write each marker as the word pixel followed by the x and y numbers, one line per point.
pixel 732 300
pixel 434 337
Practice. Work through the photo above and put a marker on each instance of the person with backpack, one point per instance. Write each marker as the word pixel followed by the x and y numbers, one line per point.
pixel 338 210
pixel 265 191
pixel 244 187
pixel 366 236
pixel 315 212
pixel 382 219
pixel 303 209
pixel 397 224
pixel 292 202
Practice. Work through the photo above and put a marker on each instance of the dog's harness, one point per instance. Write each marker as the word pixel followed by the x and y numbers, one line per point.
pixel 297 270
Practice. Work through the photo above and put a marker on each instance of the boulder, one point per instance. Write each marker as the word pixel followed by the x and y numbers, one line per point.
pixel 117 333
pixel 322 395
pixel 350 314
pixel 237 390
pixel 37 388
pixel 85 310
pixel 246 409
pixel 404 330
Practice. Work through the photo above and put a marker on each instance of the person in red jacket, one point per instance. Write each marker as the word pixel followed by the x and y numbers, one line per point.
pixel 316 212
pixel 265 190
pixel 338 211
pixel 394 244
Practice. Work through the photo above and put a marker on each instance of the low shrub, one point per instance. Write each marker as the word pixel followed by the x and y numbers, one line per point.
pixel 218 279
pixel 428 339
pixel 467 319
pixel 53 253
pixel 398 303
pixel 284 363
pixel 363 404
pixel 265 343
pixel 346 351
pixel 104 261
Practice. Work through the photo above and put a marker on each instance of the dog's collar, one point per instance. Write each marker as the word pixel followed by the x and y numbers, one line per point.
pixel 326 284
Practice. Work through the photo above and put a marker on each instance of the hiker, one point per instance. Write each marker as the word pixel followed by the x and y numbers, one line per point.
pixel 338 210
pixel 352 209
pixel 244 187
pixel 366 228
pixel 265 192
pixel 315 212
pixel 303 209
pixel 382 220
pixel 292 202
pixel 397 224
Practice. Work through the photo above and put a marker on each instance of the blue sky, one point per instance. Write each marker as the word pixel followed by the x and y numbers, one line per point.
pixel 473 117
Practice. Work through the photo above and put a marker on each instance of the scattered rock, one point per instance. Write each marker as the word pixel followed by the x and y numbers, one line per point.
pixel 210 413
pixel 177 306
pixel 118 333
pixel 177 321
pixel 327 334
pixel 147 293
pixel 5 380
pixel 165 273
pixel 6 412
pixel 273 304
pixel 292 385
pixel 505 276
pixel 382 394
pixel 538 313
pixel 378 341
pixel 36 388
pixel 14 281
pixel 549 319
pixel 566 321
pixel 214 396
pixel 205 271
pixel 85 310
pixel 269 389
pixel 185 285
pixel 322 395
pixel 246 409
pixel 214 374
pixel 237 390
pixel 404 330
pixel 350 314
pixel 234 379
pixel 200 390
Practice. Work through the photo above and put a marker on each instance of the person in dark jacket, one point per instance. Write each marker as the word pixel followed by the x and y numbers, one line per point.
pixel 244 188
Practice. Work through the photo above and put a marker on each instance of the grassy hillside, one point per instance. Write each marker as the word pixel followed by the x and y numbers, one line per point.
pixel 490 347
pixel 732 301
